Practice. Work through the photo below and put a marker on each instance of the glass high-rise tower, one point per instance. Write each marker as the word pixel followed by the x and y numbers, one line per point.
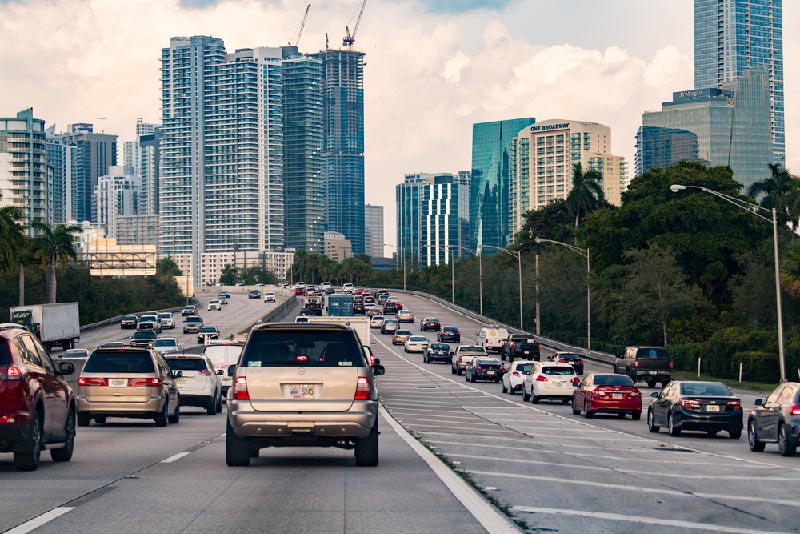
pixel 732 36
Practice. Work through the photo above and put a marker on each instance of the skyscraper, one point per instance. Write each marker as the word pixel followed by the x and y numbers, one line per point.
pixel 343 152
pixel 490 194
pixel 732 36
pixel 373 231
pixel 143 155
pixel 117 194
pixel 96 153
pixel 63 163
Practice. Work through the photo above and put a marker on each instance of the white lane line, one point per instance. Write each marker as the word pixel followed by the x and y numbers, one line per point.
pixel 641 519
pixel 640 489
pixel 529 443
pixel 535 438
pixel 446 417
pixel 40 520
pixel 413 420
pixel 490 518
pixel 632 471
pixel 174 457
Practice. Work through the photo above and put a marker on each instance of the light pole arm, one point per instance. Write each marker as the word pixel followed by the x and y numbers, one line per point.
pixel 739 203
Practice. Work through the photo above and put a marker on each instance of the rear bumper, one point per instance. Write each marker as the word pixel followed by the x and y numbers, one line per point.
pixel 702 422
pixel 355 423
pixel 121 409
pixel 644 376
pixel 483 375
pixel 198 401
pixel 616 405
pixel 450 339
pixel 552 393
pixel 439 358
pixel 12 434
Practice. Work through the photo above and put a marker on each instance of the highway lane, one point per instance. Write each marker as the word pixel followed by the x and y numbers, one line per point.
pixel 612 475
pixel 129 476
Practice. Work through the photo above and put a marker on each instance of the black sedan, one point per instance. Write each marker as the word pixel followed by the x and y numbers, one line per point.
pixel 437 352
pixel 703 406
pixel 430 323
pixel 485 369
pixel 575 360
pixel 776 420
pixel 449 334
pixel 210 332
pixel 129 321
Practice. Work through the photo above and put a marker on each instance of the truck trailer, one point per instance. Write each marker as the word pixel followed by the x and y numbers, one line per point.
pixel 53 324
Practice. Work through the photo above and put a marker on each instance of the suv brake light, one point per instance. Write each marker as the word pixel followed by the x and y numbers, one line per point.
pixel 794 410
pixel 144 382
pixel 240 389
pixel 542 378
pixel 85 381
pixel 14 373
pixel 515 373
pixel 363 389
pixel 636 363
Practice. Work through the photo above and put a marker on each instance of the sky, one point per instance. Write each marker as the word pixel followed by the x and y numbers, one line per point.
pixel 433 68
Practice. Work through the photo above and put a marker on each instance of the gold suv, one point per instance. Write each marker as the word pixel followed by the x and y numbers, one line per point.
pixel 302 384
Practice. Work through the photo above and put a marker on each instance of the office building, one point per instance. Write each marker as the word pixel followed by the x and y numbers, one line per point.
pixel 731 126
pixel 64 165
pixel 337 246
pixel 490 184
pixel 23 167
pixel 343 153
pixel 373 231
pixel 433 218
pixel 734 36
pixel 143 155
pixel 543 160
pixel 117 194
pixel 139 229
pixel 96 153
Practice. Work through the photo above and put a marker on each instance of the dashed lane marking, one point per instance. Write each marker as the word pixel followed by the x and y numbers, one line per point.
pixel 174 457
pixel 41 520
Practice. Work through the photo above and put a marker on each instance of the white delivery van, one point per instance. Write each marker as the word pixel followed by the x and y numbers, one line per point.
pixel 223 354
pixel 491 338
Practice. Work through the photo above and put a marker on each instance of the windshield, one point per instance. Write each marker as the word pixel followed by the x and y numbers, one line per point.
pixel 186 364
pixel 403 333
pixel 612 380
pixel 705 389
pixel 270 348
pixel 558 371
pixel 569 357
pixel 208 330
pixel 165 316
pixel 450 329
pixel 119 362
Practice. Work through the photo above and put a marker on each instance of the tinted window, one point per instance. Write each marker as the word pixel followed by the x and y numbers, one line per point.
pixel 193 364
pixel 164 343
pixel 652 353
pixel 119 362
pixel 403 332
pixel 525 367
pixel 481 361
pixel 440 346
pixel 144 335
pixel 267 348
pixel 705 389
pixel 569 357
pixel 557 371
pixel 30 349
pixel 5 353
pixel 193 319
pixel 450 329
pixel 612 380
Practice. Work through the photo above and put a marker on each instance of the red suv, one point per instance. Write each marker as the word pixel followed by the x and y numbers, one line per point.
pixel 37 406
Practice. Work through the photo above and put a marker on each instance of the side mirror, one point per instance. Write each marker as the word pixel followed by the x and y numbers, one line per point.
pixel 231 370
pixel 378 369
pixel 758 402
pixel 452 353
pixel 654 394
pixel 220 372
pixel 376 361
pixel 65 368
pixel 177 374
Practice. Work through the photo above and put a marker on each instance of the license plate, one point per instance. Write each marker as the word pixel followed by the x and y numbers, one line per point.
pixel 616 395
pixel 302 391
pixel 653 372
pixel 181 380
pixel 526 352
pixel 118 382
pixel 712 408
pixel 489 372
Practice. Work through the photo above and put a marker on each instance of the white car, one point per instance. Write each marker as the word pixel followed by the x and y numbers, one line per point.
pixel 214 305
pixel 513 379
pixel 167 320
pixel 269 296
pixel 145 321
pixel 222 355
pixel 167 345
pixel 376 321
pixel 549 381
pixel 416 344
pixel 200 385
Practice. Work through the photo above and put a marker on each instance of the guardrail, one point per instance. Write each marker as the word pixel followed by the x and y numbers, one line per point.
pixel 594 355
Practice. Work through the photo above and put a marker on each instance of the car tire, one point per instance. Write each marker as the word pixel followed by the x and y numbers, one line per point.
pixel 651 383
pixel 460 371
pixel 525 396
pixel 621 415
pixel 161 417
pixel 219 403
pixel 100 420
pixel 237 452
pixel 27 459
pixel 211 407
pixel 564 401
pixel 586 413
pixel 84 419
pixel 575 411
pixel 176 415
pixel 735 434
pixel 534 397
pixel 674 431
pixel 366 451
pixel 636 415
pixel 503 388
pixel 785 445
pixel 651 422
pixel 664 383
pixel 756 445
pixel 452 370
pixel 64 454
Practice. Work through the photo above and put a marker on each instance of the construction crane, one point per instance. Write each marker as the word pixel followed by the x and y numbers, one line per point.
pixel 349 38
pixel 302 26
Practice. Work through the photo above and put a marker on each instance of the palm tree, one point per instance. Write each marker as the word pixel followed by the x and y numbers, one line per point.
pixel 586 194
pixel 12 243
pixel 781 191
pixel 56 246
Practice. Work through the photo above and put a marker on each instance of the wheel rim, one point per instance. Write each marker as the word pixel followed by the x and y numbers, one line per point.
pixel 670 424
pixel 782 438
pixel 751 435
pixel 36 439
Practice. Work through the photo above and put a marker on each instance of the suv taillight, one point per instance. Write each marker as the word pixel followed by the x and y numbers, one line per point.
pixel 636 363
pixel 363 389
pixel 14 373
pixel 542 378
pixel 240 389
pixel 794 410
pixel 85 381
pixel 144 382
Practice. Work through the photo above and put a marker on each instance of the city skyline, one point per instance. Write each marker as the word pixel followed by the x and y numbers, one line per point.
pixel 420 107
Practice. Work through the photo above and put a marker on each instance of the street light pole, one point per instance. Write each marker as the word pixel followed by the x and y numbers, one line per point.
pixel 538 310
pixel 753 209
pixel 452 277
pixel 585 253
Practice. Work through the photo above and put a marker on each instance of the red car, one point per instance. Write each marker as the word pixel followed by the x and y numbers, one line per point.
pixel 37 406
pixel 606 393
pixel 298 291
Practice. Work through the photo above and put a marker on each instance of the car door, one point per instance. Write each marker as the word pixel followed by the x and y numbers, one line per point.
pixel 44 379
pixel 769 415
pixel 56 390
pixel 580 391
pixel 661 406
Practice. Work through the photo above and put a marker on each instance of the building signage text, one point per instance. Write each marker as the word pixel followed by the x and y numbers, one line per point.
pixel 548 127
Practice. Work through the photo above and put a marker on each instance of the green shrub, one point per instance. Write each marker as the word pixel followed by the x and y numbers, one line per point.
pixel 756 366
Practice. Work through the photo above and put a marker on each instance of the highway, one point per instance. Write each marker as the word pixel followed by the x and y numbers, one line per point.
pixel 550 470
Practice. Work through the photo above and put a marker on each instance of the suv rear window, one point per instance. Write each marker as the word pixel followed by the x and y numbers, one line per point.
pixel 186 364
pixel 5 355
pixel 612 380
pixel 119 362
pixel 278 348
pixel 193 319
pixel 652 353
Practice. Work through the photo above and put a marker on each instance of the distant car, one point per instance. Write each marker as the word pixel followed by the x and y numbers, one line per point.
pixel 298 291
pixel 400 337
pixel 390 308
pixel 222 355
pixel 484 368
pixel 520 346
pixel 376 321
pixel 166 345
pixel 207 332
pixel 254 294
pixel 449 334
pixel 513 379
pixel 430 323
pixel 149 322
pixel 405 316
pixel 301 319
pixel 575 360
pixel 199 385
pixel 129 321
pixel 269 296
pixel 192 324
pixel 464 353
pixel 167 320
pixel 142 338
pixel 549 381
pixel 373 311
pixel 239 284
pixel 74 354
pixel 214 305
pixel 776 420
pixel 191 309
pixel 416 344
pixel 492 337
pixel 390 326
pixel 607 393
pixel 223 297
pixel 645 364
pixel 689 405
pixel 437 352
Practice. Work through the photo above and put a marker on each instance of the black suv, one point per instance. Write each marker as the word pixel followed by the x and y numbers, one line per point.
pixel 37 406
pixel 776 420
pixel 520 346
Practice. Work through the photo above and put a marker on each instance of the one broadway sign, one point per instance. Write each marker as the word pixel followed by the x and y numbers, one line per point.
pixel 548 127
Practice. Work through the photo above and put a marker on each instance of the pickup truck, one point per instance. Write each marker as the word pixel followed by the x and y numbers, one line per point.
pixel 463 356
pixel 645 364
pixel 520 346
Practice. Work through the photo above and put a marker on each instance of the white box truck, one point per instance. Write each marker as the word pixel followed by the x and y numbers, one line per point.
pixel 53 324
